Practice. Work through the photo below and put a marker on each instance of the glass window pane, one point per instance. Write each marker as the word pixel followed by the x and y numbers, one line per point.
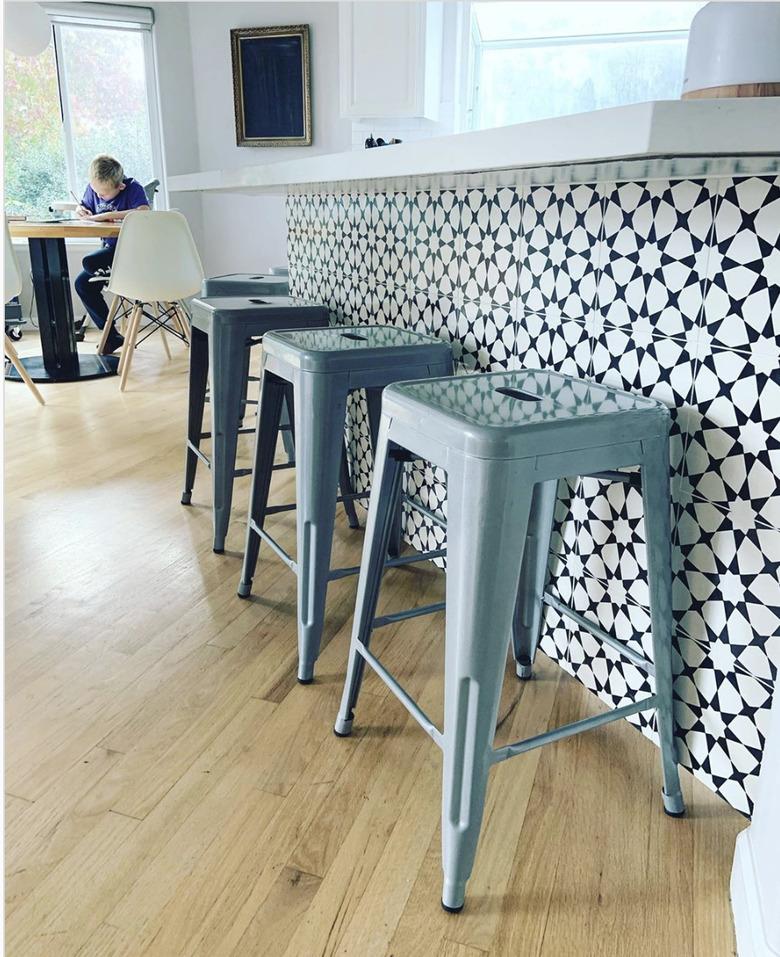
pixel 105 79
pixel 531 83
pixel 35 172
pixel 569 18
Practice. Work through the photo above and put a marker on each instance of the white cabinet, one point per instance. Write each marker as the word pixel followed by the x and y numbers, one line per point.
pixel 390 59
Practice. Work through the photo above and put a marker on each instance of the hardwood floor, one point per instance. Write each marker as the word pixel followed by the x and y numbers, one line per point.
pixel 172 790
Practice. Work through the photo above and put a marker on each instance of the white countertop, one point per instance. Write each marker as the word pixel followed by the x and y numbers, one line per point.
pixel 673 128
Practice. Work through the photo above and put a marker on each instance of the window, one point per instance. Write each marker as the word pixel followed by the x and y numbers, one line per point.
pixel 535 60
pixel 91 91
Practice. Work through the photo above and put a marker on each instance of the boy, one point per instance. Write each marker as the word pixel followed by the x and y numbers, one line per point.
pixel 109 196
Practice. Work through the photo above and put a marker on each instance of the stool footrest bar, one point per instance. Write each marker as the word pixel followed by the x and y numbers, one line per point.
pixel 431 516
pixel 390 563
pixel 287 559
pixel 239 472
pixel 397 616
pixel 576 727
pixel 203 458
pixel 639 660
pixel 411 706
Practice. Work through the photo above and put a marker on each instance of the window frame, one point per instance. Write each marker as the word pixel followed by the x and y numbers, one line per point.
pixel 111 17
pixel 477 45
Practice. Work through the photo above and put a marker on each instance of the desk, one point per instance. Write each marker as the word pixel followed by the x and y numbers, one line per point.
pixel 60 361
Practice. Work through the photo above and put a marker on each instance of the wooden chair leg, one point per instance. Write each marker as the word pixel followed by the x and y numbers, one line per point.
pixel 112 309
pixel 129 347
pixel 24 375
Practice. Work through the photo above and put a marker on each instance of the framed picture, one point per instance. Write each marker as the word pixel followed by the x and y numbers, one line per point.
pixel 272 86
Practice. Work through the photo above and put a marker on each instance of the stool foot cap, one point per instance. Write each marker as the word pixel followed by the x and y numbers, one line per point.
pixel 186 498
pixel 524 672
pixel 674 806
pixel 218 551
pixel 244 589
pixel 343 727
pixel 305 681
pixel 452 910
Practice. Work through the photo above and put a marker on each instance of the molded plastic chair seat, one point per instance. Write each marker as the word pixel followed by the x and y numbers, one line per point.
pixel 223 330
pixel 505 440
pixel 156 262
pixel 323 366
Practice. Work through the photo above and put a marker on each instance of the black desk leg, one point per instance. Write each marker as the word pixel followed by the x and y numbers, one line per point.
pixel 51 282
pixel 60 361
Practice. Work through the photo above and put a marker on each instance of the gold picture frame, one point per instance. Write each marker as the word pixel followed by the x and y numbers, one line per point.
pixel 272 85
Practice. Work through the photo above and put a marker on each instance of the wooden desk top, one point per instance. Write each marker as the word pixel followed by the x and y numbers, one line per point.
pixel 65 229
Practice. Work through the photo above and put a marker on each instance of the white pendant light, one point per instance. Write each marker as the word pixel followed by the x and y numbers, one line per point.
pixel 27 29
pixel 734 50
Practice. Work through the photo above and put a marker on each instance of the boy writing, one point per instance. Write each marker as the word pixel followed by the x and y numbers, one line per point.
pixel 110 196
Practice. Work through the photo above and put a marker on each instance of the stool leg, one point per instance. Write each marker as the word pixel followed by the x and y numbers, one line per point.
pixel 657 506
pixel 288 435
pixel 489 506
pixel 199 374
pixel 226 358
pixel 527 622
pixel 320 410
pixel 245 381
pixel 382 509
pixel 374 402
pixel 347 488
pixel 271 394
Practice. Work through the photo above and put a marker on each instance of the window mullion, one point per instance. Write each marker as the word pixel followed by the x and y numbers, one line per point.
pixel 62 82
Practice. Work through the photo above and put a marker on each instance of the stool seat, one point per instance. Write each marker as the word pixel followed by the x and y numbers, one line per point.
pixel 245 284
pixel 511 415
pixel 256 315
pixel 353 348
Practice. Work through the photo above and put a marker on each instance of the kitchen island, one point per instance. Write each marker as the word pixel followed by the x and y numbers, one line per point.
pixel 639 247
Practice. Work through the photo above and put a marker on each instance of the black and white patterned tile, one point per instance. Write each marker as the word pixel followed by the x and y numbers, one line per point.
pixel 733 448
pixel 655 251
pixel 435 241
pixel 742 303
pixel 561 228
pixel 489 263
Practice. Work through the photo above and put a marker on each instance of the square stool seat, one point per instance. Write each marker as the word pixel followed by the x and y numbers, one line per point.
pixel 510 415
pixel 245 284
pixel 255 315
pixel 353 349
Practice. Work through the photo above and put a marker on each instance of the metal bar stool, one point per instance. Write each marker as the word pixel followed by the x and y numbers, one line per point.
pixel 323 365
pixel 505 440
pixel 223 332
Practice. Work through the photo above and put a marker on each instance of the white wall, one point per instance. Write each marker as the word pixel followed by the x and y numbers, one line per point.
pixel 242 233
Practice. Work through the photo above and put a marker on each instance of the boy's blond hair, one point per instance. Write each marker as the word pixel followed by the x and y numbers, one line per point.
pixel 106 169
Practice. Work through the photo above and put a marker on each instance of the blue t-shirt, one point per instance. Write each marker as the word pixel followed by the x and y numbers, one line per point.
pixel 130 197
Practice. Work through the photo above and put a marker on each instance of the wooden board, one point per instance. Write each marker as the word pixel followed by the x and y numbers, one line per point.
pixel 66 229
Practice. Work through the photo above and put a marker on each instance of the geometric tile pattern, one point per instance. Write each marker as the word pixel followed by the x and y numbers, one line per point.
pixel 665 287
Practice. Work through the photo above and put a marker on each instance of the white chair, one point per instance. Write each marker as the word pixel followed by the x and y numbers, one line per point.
pixel 13 286
pixel 156 265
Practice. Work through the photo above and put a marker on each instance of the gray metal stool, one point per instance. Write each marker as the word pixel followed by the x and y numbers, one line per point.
pixel 245 284
pixel 324 366
pixel 505 440
pixel 223 331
